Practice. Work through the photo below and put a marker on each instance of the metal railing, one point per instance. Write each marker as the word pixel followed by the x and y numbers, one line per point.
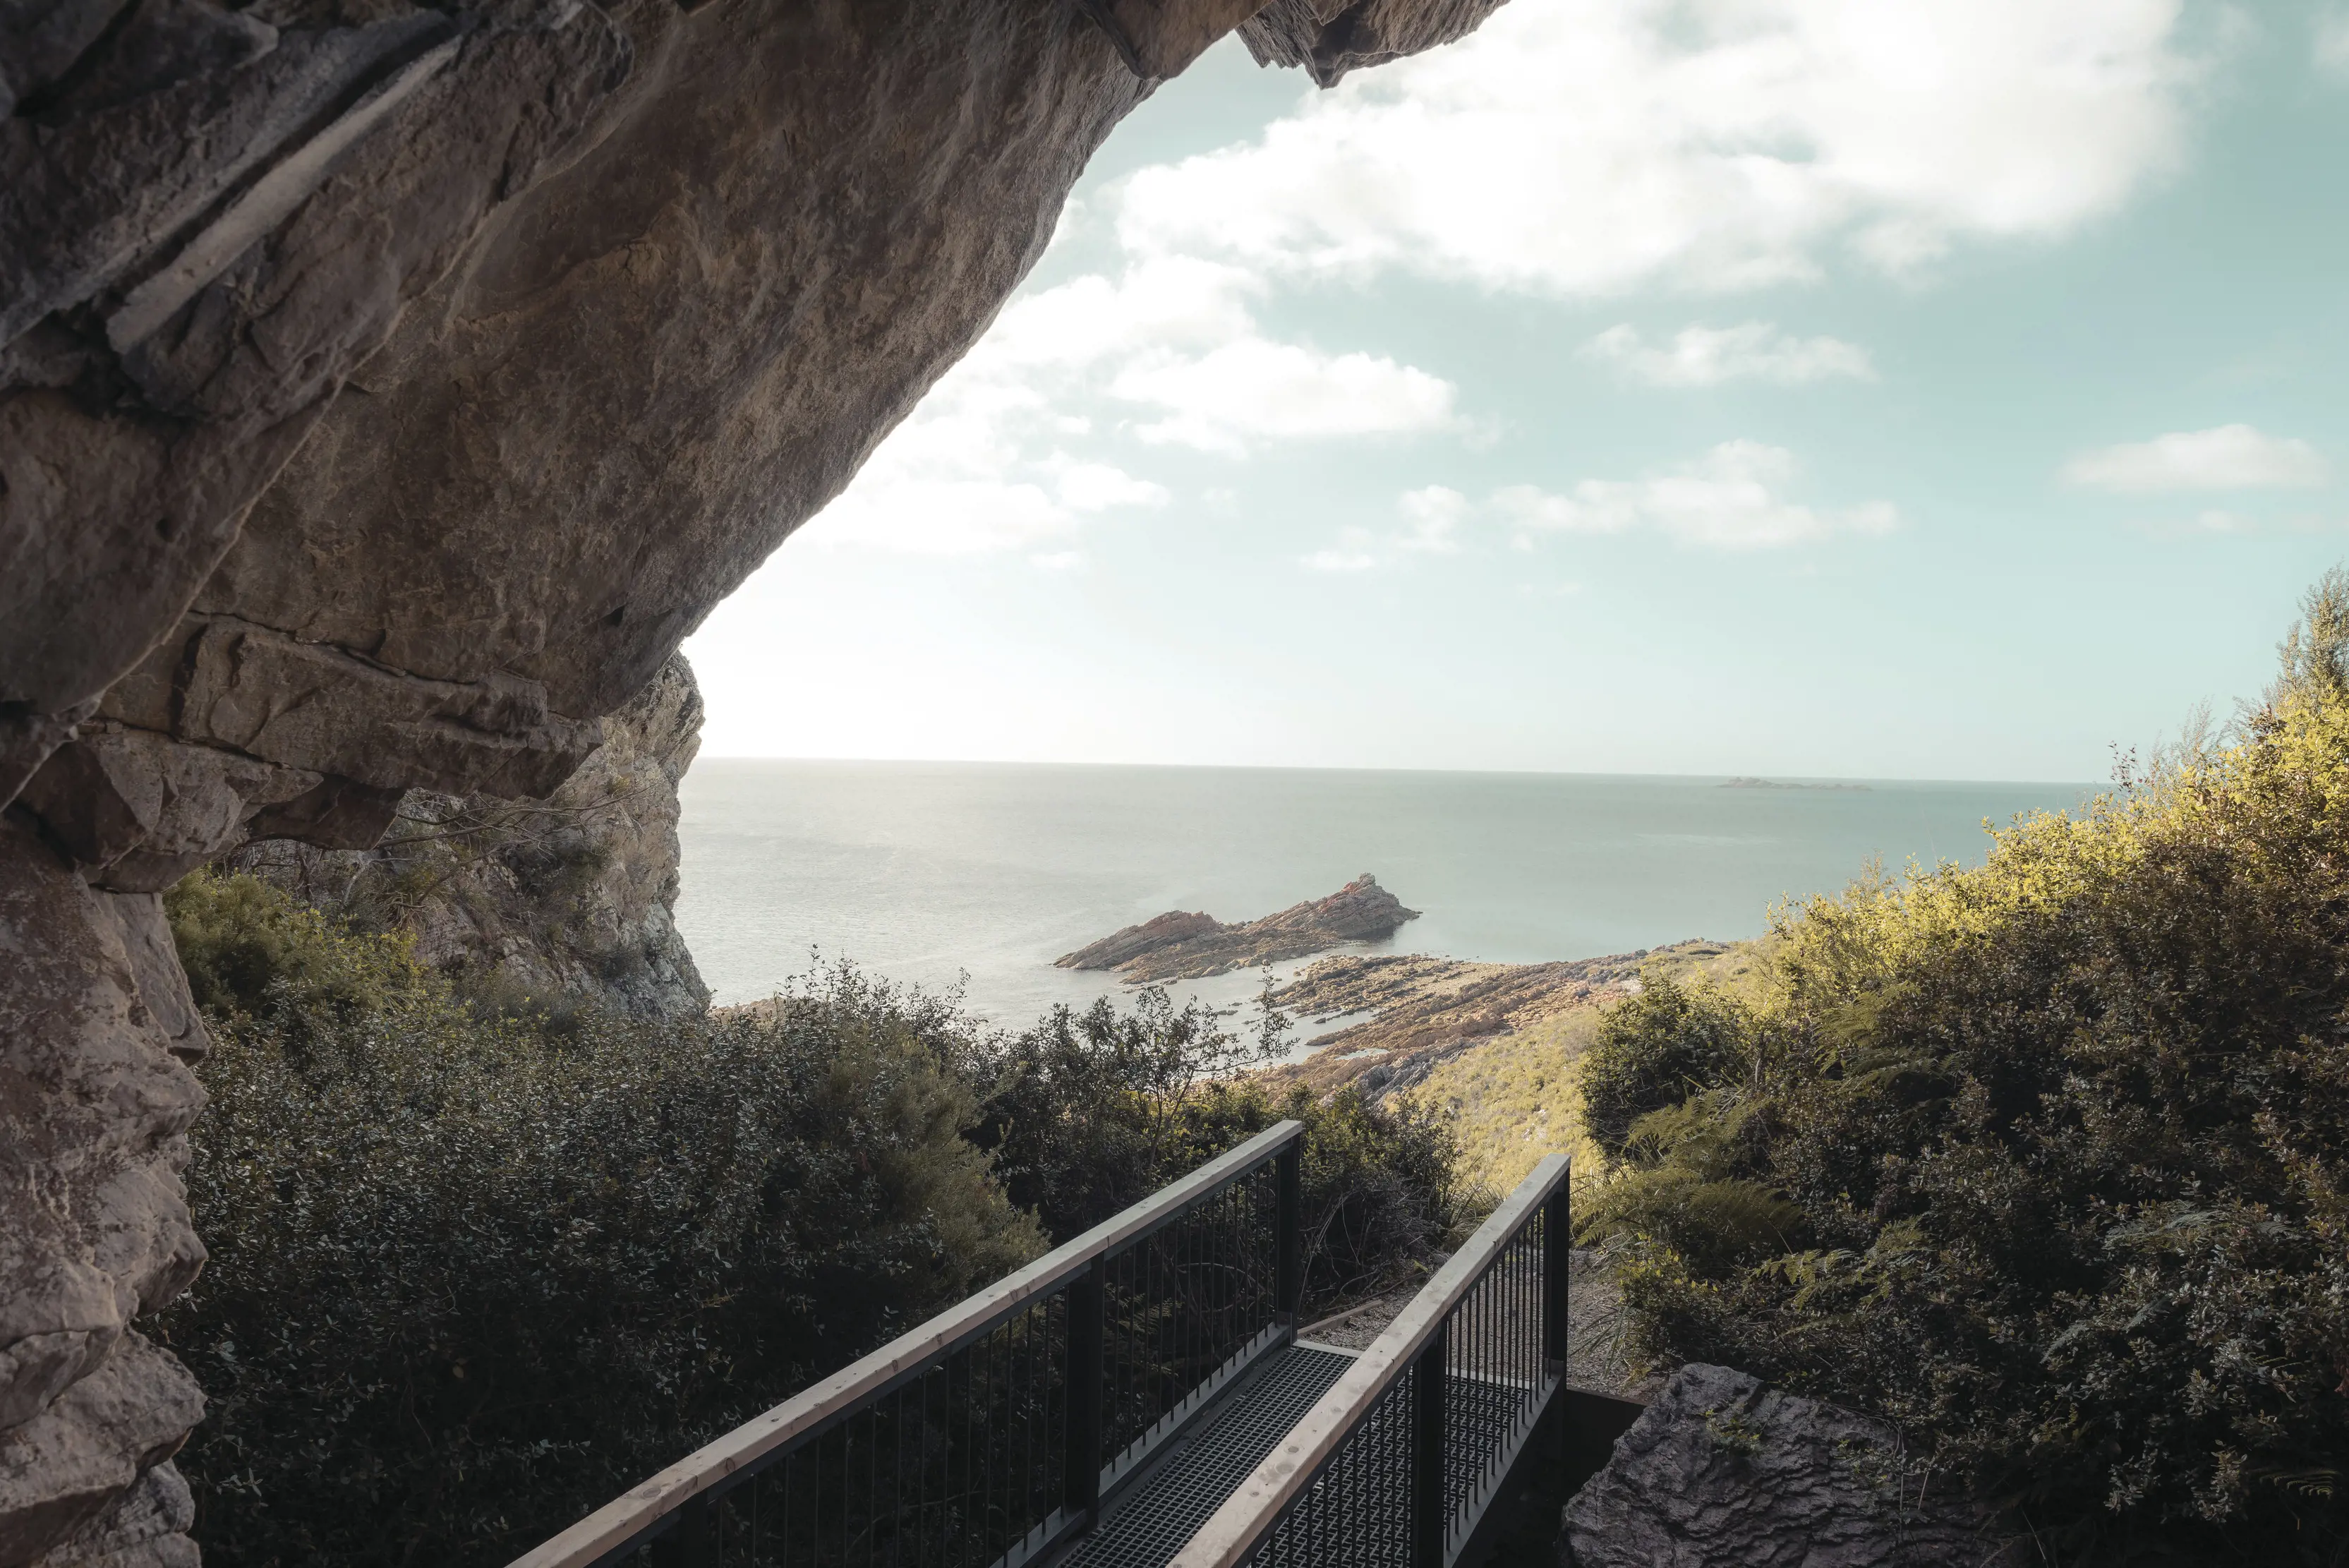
pixel 1398 1462
pixel 993 1433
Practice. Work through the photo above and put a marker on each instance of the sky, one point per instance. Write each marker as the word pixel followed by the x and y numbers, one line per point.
pixel 1952 390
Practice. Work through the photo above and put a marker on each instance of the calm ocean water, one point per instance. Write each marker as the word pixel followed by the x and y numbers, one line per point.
pixel 929 872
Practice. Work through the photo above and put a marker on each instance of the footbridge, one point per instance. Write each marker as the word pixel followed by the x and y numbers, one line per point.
pixel 1142 1398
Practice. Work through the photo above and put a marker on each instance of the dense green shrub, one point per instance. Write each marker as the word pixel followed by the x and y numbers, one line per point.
pixel 2048 1160
pixel 469 1278
pixel 252 952
pixel 1087 1113
pixel 1655 1050
pixel 475 1270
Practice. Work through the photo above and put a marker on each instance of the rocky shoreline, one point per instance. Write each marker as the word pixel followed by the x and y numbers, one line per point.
pixel 1425 1011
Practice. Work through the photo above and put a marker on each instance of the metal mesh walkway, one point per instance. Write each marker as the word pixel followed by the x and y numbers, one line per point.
pixel 1151 1523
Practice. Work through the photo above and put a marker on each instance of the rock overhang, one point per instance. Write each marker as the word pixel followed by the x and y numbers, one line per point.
pixel 386 389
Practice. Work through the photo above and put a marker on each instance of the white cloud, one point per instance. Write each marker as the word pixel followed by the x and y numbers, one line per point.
pixel 1582 147
pixel 1253 390
pixel 917 516
pixel 1707 357
pixel 1731 498
pixel 2228 457
pixel 981 465
pixel 2331 41
pixel 1096 486
pixel 1432 519
pixel 1569 148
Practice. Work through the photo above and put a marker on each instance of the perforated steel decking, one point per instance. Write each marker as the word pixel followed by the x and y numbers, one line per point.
pixel 1166 1507
pixel 1152 1522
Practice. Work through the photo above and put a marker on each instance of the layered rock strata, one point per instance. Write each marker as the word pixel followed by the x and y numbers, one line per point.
pixel 1415 1012
pixel 1179 945
pixel 385 390
pixel 547 903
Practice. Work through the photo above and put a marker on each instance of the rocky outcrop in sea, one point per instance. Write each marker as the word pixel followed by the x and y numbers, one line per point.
pixel 1192 946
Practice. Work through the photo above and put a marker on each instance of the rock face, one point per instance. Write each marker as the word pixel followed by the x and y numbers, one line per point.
pixel 1179 946
pixel 568 898
pixel 95 1099
pixel 1723 1473
pixel 385 390
pixel 145 1526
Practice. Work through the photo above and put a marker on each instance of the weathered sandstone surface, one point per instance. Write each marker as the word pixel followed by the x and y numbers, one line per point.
pixel 1191 946
pixel 1721 1472
pixel 385 390
pixel 567 899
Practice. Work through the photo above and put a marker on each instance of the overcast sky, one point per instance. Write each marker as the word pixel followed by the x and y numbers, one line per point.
pixel 1946 390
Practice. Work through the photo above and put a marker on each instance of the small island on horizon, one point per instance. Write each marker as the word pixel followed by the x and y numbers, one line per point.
pixel 1743 783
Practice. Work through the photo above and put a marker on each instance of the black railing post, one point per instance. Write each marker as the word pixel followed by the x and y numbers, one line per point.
pixel 1288 1229
pixel 692 1540
pixel 1080 1477
pixel 1558 1264
pixel 1431 1515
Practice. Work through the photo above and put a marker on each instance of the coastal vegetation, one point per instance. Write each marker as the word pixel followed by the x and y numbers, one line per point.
pixel 1494 1050
pixel 1090 1112
pixel 2047 1160
pixel 477 1269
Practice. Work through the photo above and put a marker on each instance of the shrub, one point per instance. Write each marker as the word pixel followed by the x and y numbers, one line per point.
pixel 2058 1152
pixel 477 1269
pixel 251 951
pixel 470 1279
pixel 1655 1050
pixel 1088 1113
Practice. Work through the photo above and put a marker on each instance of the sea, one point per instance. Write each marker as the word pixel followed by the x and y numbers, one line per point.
pixel 973 876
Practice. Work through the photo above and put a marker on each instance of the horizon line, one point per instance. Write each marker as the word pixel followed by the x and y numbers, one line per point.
pixel 1355 768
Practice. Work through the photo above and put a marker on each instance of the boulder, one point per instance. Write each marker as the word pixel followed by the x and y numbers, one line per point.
pixel 1722 1471
pixel 145 1527
pixel 81 1460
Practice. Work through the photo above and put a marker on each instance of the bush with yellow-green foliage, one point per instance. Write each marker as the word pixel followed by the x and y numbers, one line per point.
pixel 1514 1100
pixel 472 1276
pixel 2046 1160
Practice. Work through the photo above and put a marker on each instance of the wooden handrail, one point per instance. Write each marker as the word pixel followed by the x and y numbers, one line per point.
pixel 628 1516
pixel 1239 1527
